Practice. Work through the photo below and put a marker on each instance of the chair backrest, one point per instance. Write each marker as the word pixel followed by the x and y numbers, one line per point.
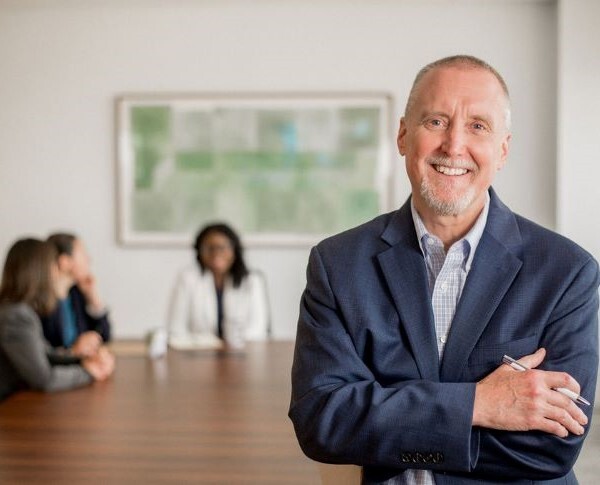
pixel 263 278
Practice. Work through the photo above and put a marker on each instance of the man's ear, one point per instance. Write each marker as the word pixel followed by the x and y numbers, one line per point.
pixel 504 150
pixel 401 140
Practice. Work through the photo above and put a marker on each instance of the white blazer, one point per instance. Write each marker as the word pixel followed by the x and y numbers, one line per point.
pixel 193 308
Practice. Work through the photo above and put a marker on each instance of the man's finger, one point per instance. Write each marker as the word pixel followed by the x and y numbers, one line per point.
pixel 563 417
pixel 558 400
pixel 531 361
pixel 555 380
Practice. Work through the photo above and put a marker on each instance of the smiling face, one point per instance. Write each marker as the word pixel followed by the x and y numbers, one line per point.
pixel 454 138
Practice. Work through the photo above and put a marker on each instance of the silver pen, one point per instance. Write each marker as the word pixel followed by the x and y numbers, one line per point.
pixel 563 390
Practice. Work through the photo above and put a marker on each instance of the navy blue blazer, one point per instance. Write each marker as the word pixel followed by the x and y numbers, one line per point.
pixel 52 324
pixel 367 384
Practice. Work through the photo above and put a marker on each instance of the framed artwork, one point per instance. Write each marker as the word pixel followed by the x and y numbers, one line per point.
pixel 282 170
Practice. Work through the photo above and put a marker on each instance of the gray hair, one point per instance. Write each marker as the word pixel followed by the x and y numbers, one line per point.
pixel 464 61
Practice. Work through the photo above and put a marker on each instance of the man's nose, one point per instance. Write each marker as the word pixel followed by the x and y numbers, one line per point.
pixel 454 141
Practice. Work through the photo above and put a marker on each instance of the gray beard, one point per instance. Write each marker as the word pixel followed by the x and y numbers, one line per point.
pixel 446 208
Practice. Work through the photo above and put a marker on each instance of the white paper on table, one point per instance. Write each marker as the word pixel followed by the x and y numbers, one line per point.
pixel 195 342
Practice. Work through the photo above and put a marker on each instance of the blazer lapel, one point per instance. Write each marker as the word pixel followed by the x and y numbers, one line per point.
pixel 495 266
pixel 404 271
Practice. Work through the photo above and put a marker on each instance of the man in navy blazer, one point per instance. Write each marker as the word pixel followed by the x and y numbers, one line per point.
pixel 405 320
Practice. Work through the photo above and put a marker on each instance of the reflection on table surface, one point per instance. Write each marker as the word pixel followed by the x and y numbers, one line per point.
pixel 189 417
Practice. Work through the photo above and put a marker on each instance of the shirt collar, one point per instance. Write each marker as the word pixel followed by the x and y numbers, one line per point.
pixel 472 237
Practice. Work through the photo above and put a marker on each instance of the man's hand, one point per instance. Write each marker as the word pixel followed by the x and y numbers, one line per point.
pixel 521 401
pixel 101 365
pixel 87 344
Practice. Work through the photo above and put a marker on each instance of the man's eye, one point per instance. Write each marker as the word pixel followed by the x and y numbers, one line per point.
pixel 479 126
pixel 435 123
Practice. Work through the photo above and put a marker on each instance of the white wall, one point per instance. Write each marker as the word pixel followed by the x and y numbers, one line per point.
pixel 578 200
pixel 63 62
pixel 578 168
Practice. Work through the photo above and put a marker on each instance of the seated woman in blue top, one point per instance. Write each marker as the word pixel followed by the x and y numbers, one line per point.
pixel 30 285
pixel 80 321
pixel 218 299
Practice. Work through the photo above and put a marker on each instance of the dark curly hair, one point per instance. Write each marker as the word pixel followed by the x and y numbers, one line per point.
pixel 238 270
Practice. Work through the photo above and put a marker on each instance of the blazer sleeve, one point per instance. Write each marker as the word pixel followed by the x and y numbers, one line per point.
pixel 342 414
pixel 90 321
pixel 100 324
pixel 25 348
pixel 571 341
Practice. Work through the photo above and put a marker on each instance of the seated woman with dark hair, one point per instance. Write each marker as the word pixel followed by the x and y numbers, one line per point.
pixel 218 298
pixel 30 285
pixel 79 322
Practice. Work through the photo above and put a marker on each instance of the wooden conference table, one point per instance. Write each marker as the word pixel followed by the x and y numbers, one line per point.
pixel 189 417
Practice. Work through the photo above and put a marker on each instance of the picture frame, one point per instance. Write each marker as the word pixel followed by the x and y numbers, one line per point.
pixel 283 170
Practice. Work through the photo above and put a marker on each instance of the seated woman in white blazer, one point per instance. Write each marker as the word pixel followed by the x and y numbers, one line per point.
pixel 217 300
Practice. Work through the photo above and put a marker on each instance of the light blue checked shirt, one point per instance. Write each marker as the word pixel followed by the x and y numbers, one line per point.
pixel 447 273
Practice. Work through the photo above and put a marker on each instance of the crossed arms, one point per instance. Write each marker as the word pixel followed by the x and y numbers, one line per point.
pixel 351 404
